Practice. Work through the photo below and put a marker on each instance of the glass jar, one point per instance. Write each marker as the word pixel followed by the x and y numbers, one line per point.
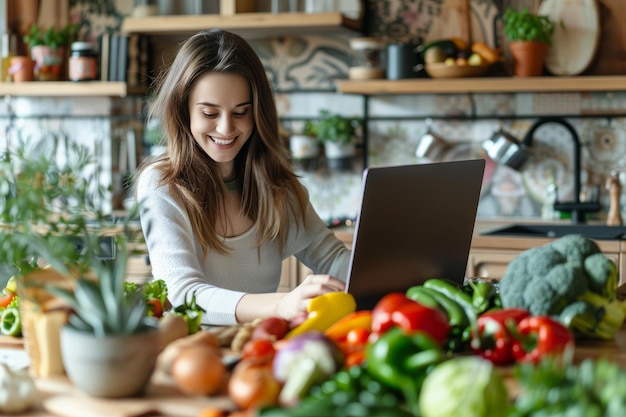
pixel 83 62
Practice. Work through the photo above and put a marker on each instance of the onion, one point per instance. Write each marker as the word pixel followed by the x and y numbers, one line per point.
pixel 199 370
pixel 252 385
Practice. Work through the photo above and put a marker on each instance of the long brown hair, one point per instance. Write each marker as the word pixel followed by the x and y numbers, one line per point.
pixel 271 188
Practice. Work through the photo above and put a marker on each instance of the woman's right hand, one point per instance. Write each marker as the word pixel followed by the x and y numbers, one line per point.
pixel 293 306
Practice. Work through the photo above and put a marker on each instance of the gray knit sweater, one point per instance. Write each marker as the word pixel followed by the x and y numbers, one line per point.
pixel 219 281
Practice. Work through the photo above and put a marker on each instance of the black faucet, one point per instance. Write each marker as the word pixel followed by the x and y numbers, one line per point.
pixel 577 208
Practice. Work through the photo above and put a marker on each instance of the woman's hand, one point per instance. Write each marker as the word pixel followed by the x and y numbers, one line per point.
pixel 293 305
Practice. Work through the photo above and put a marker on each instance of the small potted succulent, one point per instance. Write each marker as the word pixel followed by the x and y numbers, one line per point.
pixel 109 333
pixel 530 36
pixel 48 49
pixel 338 134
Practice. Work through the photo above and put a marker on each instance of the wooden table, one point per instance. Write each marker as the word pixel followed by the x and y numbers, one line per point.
pixel 163 399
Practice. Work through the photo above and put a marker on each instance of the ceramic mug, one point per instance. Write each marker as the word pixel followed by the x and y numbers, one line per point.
pixel 21 69
pixel 403 61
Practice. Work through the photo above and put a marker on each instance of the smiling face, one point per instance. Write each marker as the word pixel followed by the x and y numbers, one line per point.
pixel 220 113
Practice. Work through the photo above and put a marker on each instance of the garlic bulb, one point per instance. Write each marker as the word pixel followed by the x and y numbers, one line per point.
pixel 17 390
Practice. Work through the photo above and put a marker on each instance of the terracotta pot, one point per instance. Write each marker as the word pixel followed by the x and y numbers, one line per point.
pixel 528 58
pixel 21 69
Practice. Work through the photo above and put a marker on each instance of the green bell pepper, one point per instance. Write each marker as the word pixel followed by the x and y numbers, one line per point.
pixel 10 322
pixel 402 360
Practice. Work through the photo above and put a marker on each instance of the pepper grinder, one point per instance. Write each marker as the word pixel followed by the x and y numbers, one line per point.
pixel 613 184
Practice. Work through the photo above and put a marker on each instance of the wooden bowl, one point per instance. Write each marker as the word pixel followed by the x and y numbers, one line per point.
pixel 441 70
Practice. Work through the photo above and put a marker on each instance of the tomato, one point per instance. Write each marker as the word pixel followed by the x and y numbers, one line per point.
pixel 6 299
pixel 354 358
pixel 271 328
pixel 357 336
pixel 155 308
pixel 260 349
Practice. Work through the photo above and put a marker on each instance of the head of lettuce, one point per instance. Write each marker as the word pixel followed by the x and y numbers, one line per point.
pixel 467 386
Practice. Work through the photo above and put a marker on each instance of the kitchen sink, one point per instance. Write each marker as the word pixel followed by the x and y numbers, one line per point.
pixel 601 232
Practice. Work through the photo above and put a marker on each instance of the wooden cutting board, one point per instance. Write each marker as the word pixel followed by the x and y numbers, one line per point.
pixel 575 41
pixel 452 22
pixel 611 57
pixel 62 399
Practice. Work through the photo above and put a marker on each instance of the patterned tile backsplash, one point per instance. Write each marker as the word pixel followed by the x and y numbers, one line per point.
pixel 506 192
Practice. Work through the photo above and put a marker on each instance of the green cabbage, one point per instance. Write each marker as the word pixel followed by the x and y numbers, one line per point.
pixel 467 386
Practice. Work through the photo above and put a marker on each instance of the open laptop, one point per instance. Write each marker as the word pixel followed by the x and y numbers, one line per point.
pixel 415 222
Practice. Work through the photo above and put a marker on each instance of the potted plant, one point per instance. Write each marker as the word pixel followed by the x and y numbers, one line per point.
pixel 49 215
pixel 47 48
pixel 530 36
pixel 109 333
pixel 337 133
pixel 304 146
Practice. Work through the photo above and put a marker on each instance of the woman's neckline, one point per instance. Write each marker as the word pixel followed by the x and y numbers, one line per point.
pixel 233 185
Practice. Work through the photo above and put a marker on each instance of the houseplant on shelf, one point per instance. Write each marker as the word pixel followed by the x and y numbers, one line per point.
pixel 48 49
pixel 530 36
pixel 338 134
pixel 305 146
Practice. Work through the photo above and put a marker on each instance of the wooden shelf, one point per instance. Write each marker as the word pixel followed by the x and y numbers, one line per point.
pixel 63 89
pixel 484 85
pixel 249 25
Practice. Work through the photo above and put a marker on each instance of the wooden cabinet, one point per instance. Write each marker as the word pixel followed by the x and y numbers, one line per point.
pixel 490 256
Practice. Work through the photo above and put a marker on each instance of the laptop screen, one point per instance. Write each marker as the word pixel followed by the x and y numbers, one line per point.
pixel 415 222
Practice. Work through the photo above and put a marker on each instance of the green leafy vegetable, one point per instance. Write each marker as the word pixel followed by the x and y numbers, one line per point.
pixel 467 386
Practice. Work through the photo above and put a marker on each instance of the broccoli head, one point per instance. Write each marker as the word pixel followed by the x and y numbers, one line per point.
pixel 543 280
pixel 602 275
pixel 575 247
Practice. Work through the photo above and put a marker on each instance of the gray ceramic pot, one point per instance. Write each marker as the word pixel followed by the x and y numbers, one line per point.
pixel 110 367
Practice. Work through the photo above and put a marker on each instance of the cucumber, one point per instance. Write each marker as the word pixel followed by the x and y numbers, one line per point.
pixel 454 311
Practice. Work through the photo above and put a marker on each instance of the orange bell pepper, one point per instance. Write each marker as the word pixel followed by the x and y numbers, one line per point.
pixel 361 319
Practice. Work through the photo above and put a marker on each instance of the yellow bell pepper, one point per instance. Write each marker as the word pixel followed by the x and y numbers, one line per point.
pixel 324 311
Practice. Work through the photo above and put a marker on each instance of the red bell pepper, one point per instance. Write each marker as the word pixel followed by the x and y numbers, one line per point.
pixel 540 336
pixel 494 341
pixel 397 310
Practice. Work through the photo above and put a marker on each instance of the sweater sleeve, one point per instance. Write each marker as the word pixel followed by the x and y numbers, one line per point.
pixel 317 247
pixel 175 255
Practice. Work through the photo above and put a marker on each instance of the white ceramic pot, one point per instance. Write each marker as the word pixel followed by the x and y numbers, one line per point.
pixel 335 150
pixel 303 146
pixel 109 367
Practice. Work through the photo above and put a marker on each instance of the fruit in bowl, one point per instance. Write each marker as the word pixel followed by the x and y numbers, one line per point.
pixel 453 58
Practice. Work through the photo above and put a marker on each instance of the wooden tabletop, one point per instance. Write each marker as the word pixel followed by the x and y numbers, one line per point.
pixel 58 397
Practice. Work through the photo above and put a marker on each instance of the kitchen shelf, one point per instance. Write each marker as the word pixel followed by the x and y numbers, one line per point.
pixel 484 85
pixel 63 89
pixel 249 25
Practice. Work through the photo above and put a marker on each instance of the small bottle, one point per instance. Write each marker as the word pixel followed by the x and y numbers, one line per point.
pixel 550 197
pixel 83 62
pixel 7 50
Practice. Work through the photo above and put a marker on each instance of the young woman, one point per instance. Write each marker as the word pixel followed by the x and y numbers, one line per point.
pixel 222 207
